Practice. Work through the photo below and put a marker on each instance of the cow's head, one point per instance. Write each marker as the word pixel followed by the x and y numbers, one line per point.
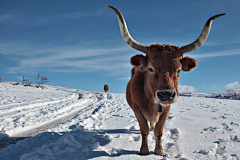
pixel 162 63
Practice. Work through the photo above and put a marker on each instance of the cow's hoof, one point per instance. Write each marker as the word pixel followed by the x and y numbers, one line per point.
pixel 143 151
pixel 143 154
pixel 160 152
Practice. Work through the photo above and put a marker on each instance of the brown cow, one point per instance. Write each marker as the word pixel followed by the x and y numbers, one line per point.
pixel 153 86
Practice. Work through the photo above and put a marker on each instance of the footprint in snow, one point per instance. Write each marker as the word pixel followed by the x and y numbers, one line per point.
pixel 170 117
pixel 218 150
pixel 234 124
pixel 226 127
pixel 184 110
pixel 134 138
pixel 203 152
pixel 174 133
pixel 212 129
pixel 235 138
pixel 221 141
pixel 132 128
pixel 214 118
pixel 118 136
pixel 170 143
pixel 109 96
pixel 223 117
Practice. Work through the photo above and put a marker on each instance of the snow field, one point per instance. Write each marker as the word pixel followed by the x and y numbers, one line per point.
pixel 86 125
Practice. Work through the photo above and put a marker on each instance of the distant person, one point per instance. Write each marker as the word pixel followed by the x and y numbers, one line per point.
pixel 106 88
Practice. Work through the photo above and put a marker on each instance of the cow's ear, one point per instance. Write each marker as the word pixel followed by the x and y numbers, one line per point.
pixel 188 64
pixel 139 61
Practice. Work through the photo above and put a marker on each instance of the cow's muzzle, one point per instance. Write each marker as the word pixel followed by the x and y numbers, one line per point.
pixel 166 96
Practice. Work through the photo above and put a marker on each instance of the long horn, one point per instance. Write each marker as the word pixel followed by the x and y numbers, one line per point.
pixel 126 35
pixel 202 38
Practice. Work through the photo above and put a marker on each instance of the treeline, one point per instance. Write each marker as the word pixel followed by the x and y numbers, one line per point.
pixel 40 80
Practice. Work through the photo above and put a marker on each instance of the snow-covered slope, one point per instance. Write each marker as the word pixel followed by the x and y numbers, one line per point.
pixel 60 123
pixel 229 94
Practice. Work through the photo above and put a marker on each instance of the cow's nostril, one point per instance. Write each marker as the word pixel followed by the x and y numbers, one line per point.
pixel 172 96
pixel 160 95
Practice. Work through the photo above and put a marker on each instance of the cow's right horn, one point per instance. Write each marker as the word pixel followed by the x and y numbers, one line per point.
pixel 202 38
pixel 126 35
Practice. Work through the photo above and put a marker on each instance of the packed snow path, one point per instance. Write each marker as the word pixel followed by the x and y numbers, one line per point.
pixel 77 124
pixel 27 111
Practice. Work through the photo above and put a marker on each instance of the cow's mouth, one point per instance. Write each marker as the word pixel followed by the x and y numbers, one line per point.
pixel 163 103
pixel 166 103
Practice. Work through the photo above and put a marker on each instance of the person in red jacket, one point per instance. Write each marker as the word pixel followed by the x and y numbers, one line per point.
pixel 106 88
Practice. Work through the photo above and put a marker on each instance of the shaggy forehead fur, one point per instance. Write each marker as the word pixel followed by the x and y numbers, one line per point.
pixel 164 57
pixel 164 51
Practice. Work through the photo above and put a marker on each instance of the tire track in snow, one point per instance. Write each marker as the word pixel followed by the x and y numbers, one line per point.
pixel 90 104
pixel 69 106
pixel 24 109
pixel 30 131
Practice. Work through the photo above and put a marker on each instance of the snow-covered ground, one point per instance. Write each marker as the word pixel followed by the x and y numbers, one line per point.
pixel 60 123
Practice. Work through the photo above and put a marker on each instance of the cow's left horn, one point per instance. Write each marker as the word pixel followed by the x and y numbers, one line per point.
pixel 126 35
pixel 202 38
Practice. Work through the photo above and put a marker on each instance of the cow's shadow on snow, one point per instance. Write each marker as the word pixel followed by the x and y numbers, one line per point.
pixel 78 143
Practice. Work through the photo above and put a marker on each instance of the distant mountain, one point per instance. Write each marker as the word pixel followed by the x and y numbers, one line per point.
pixel 228 94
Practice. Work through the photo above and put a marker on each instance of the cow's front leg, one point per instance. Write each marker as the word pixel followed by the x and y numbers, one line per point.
pixel 158 131
pixel 144 147
pixel 159 149
pixel 144 129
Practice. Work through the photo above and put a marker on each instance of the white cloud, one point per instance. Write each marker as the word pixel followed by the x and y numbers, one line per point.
pixel 216 54
pixel 186 89
pixel 232 85
pixel 221 42
pixel 213 86
pixel 123 78
pixel 110 61
pixel 5 17
pixel 81 14
pixel 24 18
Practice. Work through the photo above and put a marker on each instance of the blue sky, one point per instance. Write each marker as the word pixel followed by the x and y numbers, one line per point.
pixel 78 42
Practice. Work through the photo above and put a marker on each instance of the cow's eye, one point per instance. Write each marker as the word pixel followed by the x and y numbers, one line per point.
pixel 150 69
pixel 178 71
